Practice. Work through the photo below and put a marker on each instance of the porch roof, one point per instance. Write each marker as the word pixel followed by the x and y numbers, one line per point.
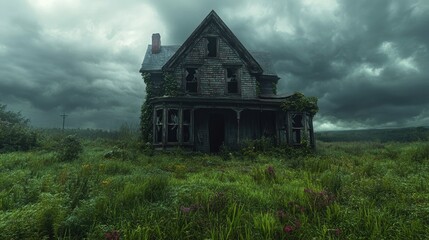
pixel 198 102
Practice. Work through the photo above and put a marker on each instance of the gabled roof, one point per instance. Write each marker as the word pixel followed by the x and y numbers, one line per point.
pixel 154 62
pixel 252 64
pixel 265 61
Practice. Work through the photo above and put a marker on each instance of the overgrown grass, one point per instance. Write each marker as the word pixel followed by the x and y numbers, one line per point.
pixel 343 191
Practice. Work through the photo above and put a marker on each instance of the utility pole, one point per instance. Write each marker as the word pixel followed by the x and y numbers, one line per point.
pixel 64 119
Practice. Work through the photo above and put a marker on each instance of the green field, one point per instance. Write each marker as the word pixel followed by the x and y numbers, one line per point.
pixel 354 190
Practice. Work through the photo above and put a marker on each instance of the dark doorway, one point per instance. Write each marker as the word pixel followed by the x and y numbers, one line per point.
pixel 216 132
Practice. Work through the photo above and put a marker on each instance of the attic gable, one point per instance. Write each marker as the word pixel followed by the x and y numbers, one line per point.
pixel 214 21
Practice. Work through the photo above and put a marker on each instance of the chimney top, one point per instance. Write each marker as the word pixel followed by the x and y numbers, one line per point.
pixel 156 43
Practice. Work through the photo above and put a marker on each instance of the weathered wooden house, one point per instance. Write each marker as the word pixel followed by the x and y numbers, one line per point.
pixel 225 93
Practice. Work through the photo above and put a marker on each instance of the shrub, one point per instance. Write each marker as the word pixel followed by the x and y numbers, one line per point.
pixel 420 154
pixel 15 135
pixel 69 148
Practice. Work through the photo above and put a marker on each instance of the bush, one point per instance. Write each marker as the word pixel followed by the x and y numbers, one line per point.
pixel 69 148
pixel 15 135
pixel 420 154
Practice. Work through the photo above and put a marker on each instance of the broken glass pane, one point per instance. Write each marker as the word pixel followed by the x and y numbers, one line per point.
pixel 191 80
pixel 173 125
pixel 212 47
pixel 186 116
pixel 186 133
pixel 296 136
pixel 297 121
pixel 158 125
pixel 232 80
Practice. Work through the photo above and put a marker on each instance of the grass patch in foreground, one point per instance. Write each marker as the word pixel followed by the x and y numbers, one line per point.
pixel 344 191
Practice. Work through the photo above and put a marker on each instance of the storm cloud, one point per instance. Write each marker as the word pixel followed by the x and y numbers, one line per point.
pixel 367 61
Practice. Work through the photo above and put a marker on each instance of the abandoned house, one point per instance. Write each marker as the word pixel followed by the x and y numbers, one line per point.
pixel 224 93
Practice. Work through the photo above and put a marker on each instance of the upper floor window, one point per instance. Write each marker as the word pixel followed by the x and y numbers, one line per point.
pixel 212 47
pixel 191 80
pixel 232 79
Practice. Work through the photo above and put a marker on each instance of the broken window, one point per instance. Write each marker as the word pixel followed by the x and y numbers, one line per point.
pixel 186 122
pixel 232 80
pixel 212 47
pixel 158 125
pixel 191 80
pixel 173 125
pixel 298 123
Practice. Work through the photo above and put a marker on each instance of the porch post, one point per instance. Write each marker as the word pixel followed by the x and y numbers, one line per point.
pixel 238 112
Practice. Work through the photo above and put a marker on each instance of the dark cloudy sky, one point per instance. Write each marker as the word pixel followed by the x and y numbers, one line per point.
pixel 367 61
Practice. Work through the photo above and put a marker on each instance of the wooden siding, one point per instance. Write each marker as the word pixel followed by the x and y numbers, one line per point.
pixel 211 71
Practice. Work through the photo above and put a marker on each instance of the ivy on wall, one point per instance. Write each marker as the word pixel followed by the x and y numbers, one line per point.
pixel 300 103
pixel 258 88
pixel 146 111
pixel 274 87
pixel 169 86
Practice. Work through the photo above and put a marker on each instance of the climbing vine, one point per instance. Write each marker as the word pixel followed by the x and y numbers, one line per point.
pixel 258 88
pixel 169 86
pixel 300 103
pixel 274 87
pixel 146 111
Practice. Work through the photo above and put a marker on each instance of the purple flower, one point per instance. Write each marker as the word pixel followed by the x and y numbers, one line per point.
pixel 337 232
pixel 185 209
pixel 288 229
pixel 297 224
pixel 113 235
pixel 281 214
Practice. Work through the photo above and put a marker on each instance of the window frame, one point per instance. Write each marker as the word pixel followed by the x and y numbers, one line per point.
pixel 216 38
pixel 238 78
pixel 305 131
pixel 158 124
pixel 185 81
pixel 166 126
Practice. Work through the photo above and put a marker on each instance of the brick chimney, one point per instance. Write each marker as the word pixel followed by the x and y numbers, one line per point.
pixel 156 43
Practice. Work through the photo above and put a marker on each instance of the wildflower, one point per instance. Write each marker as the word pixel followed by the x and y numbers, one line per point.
pixel 281 215
pixel 288 229
pixel 307 190
pixel 113 235
pixel 185 209
pixel 86 167
pixel 337 232
pixel 297 224
pixel 105 182
pixel 270 171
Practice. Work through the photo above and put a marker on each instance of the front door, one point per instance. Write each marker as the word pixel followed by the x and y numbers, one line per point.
pixel 216 132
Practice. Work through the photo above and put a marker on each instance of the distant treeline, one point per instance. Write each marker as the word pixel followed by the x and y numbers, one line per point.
pixel 125 131
pixel 378 135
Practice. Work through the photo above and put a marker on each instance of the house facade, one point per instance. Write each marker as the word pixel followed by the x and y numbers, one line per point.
pixel 224 94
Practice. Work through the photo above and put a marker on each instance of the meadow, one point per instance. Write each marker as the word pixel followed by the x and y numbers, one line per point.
pixel 114 190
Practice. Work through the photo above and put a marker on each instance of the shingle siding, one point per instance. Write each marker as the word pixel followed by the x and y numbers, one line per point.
pixel 212 71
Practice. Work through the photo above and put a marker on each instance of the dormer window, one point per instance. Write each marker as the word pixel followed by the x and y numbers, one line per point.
pixel 212 47
pixel 191 78
pixel 232 79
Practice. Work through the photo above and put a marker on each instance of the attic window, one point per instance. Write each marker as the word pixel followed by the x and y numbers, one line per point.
pixel 212 47
pixel 232 80
pixel 191 80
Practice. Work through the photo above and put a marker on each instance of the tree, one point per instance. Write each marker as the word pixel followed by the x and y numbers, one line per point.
pixel 15 134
